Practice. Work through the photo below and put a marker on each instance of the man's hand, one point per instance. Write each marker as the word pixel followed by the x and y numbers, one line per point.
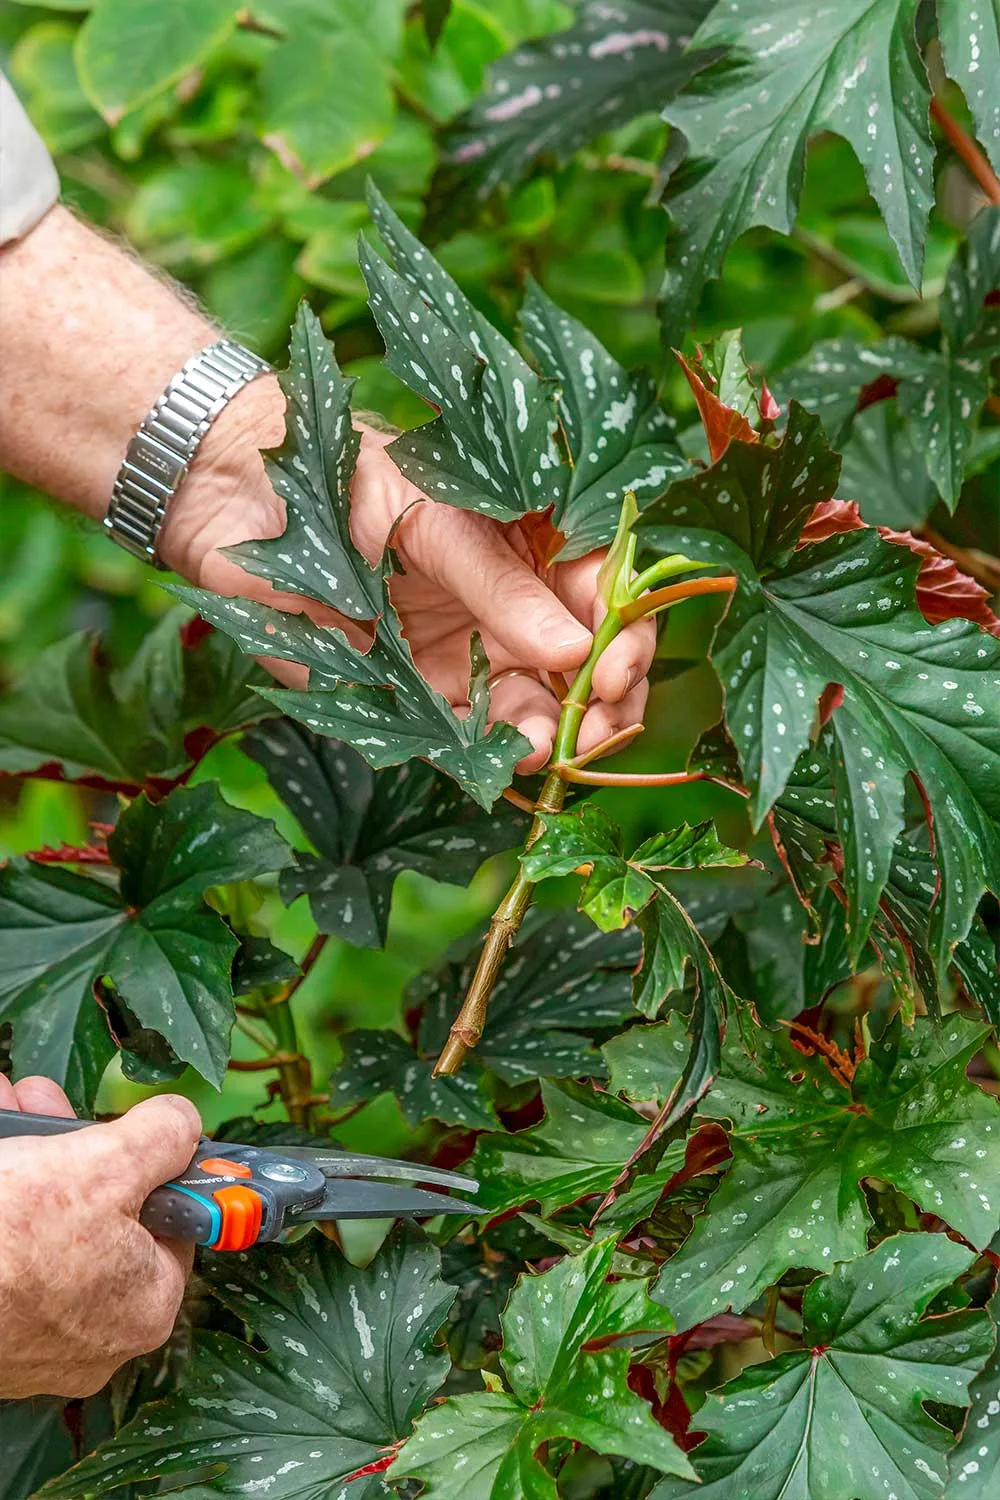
pixel 83 1287
pixel 88 341
pixel 462 573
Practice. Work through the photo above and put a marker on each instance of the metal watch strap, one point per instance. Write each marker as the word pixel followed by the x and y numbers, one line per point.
pixel 158 457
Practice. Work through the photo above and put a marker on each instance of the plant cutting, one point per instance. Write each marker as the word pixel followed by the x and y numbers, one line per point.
pixel 720 1046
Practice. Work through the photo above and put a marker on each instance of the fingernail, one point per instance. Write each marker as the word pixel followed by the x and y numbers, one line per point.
pixel 577 641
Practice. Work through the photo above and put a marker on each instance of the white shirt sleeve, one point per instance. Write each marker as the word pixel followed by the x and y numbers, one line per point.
pixel 29 184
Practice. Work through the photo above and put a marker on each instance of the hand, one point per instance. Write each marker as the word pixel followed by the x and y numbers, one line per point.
pixel 83 1287
pixel 462 573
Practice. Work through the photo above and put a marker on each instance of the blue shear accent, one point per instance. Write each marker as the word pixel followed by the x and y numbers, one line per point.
pixel 213 1209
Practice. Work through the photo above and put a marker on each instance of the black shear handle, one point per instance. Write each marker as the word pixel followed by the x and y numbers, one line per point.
pixel 170 1212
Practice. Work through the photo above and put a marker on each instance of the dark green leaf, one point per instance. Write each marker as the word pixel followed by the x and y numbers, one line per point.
pixel 801 1144
pixel 36 1445
pixel 484 1270
pixel 884 470
pixel 577 1151
pixel 349 1362
pixel 846 1416
pixel 126 725
pixel 970 42
pixel 756 495
pixel 747 119
pixel 367 828
pixel 383 1062
pixel 259 964
pixel 493 449
pixel 615 430
pixel 312 471
pixel 646 1062
pixel 483 1447
pixel 619 890
pixel 163 951
pixel 563 982
pixel 974 1465
pixel 557 93
pixel 917 699
pixel 375 700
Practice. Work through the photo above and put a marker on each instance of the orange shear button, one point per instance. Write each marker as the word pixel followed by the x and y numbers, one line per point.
pixel 242 1211
pixel 218 1166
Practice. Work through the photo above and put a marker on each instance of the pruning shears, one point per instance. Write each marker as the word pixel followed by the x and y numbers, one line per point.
pixel 232 1196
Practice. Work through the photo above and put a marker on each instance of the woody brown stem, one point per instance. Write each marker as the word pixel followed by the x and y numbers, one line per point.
pixel 966 149
pixel 504 926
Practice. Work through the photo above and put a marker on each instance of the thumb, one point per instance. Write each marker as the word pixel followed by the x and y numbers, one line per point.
pixel 149 1145
pixel 470 557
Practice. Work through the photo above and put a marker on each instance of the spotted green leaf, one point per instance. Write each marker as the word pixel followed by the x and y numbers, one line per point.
pixel 970 41
pixel 846 1415
pixel 974 1465
pixel 576 1151
pixel 374 700
pixel 553 95
pixel 312 471
pixel 854 69
pixel 493 447
pixel 645 1063
pixel 917 699
pixel 618 435
pixel 884 471
pixel 486 1446
pixel 383 1062
pixel 940 393
pixel 619 890
pixel 801 1143
pixel 349 1360
pixel 162 950
pixel 367 827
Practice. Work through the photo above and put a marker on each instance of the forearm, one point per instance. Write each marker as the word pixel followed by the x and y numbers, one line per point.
pixel 88 340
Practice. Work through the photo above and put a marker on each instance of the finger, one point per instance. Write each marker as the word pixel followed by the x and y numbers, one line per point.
pixel 151 1144
pixel 41 1096
pixel 626 661
pixel 603 720
pixel 8 1098
pixel 534 710
pixel 469 556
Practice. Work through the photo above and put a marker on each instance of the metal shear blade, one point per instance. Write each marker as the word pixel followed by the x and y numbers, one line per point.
pixel 335 1164
pixel 354 1198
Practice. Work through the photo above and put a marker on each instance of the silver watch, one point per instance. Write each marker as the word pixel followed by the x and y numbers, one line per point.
pixel 158 457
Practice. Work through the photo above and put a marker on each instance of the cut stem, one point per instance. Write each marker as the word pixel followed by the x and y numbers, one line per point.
pixel 659 599
pixel 965 147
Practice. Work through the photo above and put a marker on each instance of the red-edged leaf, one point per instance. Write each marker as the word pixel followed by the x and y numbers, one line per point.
pixel 722 423
pixel 944 592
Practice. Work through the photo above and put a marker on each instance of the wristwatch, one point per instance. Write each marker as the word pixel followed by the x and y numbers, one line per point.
pixel 159 455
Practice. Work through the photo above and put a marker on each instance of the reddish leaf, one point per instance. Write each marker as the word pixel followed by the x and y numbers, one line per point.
pixel 722 423
pixel 882 388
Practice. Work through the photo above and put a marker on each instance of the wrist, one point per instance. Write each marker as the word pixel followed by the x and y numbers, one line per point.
pixel 225 497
